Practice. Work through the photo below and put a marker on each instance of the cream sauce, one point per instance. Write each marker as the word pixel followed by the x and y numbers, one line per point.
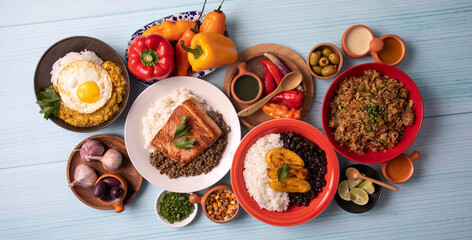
pixel 357 40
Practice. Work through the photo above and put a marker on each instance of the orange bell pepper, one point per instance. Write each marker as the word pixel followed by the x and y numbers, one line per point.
pixel 280 111
pixel 170 30
pixel 181 59
pixel 214 21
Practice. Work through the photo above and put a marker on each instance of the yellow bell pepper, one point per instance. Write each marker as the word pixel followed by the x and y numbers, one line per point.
pixel 209 50
pixel 171 31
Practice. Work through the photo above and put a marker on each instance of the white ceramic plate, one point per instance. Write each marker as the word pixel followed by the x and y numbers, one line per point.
pixel 175 224
pixel 134 138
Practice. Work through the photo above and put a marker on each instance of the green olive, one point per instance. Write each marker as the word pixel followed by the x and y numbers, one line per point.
pixel 328 70
pixel 324 61
pixel 316 69
pixel 334 58
pixel 326 51
pixel 314 58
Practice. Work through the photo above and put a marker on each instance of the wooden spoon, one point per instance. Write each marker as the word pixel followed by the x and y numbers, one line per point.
pixel 289 82
pixel 354 174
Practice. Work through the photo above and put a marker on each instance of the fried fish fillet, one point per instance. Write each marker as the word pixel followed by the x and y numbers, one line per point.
pixel 202 128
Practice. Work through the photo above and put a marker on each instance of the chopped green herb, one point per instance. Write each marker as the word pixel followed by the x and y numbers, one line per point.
pixel 384 142
pixel 368 129
pixel 175 207
pixel 283 172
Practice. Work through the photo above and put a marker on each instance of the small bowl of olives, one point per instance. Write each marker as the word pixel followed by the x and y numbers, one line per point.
pixel 324 61
pixel 111 189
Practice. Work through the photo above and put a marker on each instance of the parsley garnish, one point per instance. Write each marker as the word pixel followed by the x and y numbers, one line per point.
pixel 283 172
pixel 181 133
pixel 49 101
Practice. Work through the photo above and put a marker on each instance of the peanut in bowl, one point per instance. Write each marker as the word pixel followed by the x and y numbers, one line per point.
pixel 219 203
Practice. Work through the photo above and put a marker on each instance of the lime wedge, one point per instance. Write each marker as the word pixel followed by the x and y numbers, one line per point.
pixel 343 191
pixel 359 196
pixel 352 183
pixel 368 186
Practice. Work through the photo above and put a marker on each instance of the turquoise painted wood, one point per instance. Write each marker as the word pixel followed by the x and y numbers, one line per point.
pixel 436 203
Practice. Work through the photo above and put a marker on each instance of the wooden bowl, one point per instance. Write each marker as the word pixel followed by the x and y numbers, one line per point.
pixel 42 76
pixel 194 198
pixel 126 171
pixel 117 203
pixel 320 47
pixel 251 56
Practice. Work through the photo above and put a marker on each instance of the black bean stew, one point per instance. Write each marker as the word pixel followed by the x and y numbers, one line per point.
pixel 315 161
pixel 203 163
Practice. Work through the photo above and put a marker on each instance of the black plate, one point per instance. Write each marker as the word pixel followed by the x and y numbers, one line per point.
pixel 42 76
pixel 373 199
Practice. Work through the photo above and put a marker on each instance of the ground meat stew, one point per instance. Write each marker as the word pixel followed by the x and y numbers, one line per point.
pixel 203 163
pixel 370 112
pixel 315 161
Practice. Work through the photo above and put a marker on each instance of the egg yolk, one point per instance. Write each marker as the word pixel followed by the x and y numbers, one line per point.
pixel 88 92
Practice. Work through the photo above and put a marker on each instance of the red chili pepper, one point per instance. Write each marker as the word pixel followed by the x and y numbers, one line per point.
pixel 269 85
pixel 150 58
pixel 274 70
pixel 292 98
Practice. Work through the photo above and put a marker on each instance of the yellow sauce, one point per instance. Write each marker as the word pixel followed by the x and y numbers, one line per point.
pixel 357 40
pixel 399 169
pixel 392 51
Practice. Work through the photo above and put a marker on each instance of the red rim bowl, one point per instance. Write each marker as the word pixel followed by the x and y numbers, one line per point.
pixel 410 132
pixel 294 215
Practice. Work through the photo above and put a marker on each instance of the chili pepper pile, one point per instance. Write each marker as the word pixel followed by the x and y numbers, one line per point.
pixel 199 47
pixel 284 104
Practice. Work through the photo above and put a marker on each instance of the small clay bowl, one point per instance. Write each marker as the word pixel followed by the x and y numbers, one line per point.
pixel 320 47
pixel 244 73
pixel 375 45
pixel 405 163
pixel 117 203
pixel 373 198
pixel 194 198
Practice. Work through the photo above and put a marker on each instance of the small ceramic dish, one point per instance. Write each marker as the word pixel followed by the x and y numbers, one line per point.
pixel 358 41
pixel 320 47
pixel 194 198
pixel 243 80
pixel 401 168
pixel 42 76
pixel 116 203
pixel 126 171
pixel 182 223
pixel 373 198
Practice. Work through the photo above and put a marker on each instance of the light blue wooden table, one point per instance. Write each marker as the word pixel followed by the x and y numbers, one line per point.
pixel 36 203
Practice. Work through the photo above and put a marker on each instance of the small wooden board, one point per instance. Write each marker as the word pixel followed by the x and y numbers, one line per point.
pixel 251 56
pixel 126 170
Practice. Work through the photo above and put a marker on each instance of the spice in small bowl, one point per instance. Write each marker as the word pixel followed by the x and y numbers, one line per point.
pixel 219 203
pixel 324 61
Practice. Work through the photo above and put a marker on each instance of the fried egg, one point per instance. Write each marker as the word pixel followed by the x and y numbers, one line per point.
pixel 84 86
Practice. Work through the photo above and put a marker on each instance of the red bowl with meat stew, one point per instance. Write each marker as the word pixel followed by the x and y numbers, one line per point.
pixel 410 132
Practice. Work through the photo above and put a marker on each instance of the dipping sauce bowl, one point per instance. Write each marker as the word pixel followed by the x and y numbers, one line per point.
pixel 246 87
pixel 213 203
pixel 118 202
pixel 401 168
pixel 358 41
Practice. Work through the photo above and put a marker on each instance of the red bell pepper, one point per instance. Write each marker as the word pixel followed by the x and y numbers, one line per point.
pixel 274 70
pixel 292 98
pixel 269 85
pixel 150 58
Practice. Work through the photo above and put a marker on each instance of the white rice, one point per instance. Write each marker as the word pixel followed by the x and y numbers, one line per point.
pixel 160 111
pixel 71 57
pixel 255 175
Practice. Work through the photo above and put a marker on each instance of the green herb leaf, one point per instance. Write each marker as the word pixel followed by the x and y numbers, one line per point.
pixel 283 172
pixel 49 102
pixel 181 129
pixel 184 143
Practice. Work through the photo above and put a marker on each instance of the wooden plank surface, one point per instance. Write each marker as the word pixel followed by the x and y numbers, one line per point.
pixel 435 204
